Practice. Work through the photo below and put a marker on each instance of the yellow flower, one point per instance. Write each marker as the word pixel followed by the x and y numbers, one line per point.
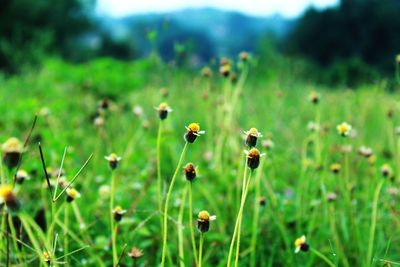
pixel 251 137
pixel 193 130
pixel 344 129
pixel 253 158
pixel 398 59
pixel 386 170
pixel 21 176
pixel 301 244
pixel 13 144
pixel 163 110
pixel 72 194
pixel 118 213
pixel 113 160
pixel 203 221
pixel 314 97
pixel 335 168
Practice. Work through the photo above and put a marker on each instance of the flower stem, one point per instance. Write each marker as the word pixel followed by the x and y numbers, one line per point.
pixel 191 227
pixel 201 249
pixel 238 221
pixel 373 222
pixel 114 248
pixel 180 229
pixel 165 225
pixel 322 257
pixel 159 181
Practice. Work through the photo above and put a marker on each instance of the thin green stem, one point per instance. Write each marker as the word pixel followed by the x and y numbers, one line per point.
pixel 165 224
pixel 201 249
pixel 159 181
pixel 322 257
pixel 180 229
pixel 191 225
pixel 373 222
pixel 66 223
pixel 112 226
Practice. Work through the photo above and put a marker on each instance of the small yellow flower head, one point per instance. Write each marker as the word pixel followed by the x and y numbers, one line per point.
pixel 72 194
pixel 262 201
pixel 252 136
pixel 335 168
pixel 8 197
pixel 118 213
pixel 386 171
pixel 190 172
pixel 253 158
pixel 314 97
pixel 301 244
pixel 46 257
pixel 344 129
pixel 398 59
pixel 206 72
pixel 193 130
pixel 244 56
pixel 12 150
pixel 135 253
pixel 163 110
pixel 365 151
pixel 203 221
pixel 225 67
pixel 113 160
pixel 21 176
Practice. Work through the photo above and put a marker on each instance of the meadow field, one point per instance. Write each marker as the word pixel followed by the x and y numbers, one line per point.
pixel 116 139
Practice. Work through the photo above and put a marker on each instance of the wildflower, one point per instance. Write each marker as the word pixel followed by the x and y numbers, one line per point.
pixel 8 197
pixel 104 104
pixel 104 191
pixel 137 111
pixel 268 144
pixel 335 168
pixel 113 160
pixel 72 194
pixel 12 150
pixel 193 130
pixel 313 126
pixel 301 244
pixel 398 59
pixel 190 172
pixel 331 196
pixel 253 158
pixel 225 67
pixel 386 171
pixel 251 137
pixel 21 176
pixel 345 149
pixel 344 129
pixel 118 213
pixel 203 221
pixel 98 121
pixel 46 257
pixel 234 77
pixel 206 72
pixel 365 151
pixel 262 201
pixel 164 92
pixel 163 110
pixel 135 253
pixel 314 97
pixel 244 56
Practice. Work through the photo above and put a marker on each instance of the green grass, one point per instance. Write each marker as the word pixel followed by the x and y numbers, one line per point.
pixel 294 184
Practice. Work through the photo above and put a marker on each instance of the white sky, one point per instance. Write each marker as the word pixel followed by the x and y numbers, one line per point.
pixel 288 8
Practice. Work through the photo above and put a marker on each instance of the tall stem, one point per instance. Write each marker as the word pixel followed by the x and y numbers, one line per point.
pixel 165 230
pixel 180 229
pixel 159 180
pixel 191 225
pixel 201 249
pixel 114 248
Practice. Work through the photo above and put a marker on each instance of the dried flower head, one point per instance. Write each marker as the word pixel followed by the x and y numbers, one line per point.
pixel 365 151
pixel 335 168
pixel 135 253
pixel 252 136
pixel 118 213
pixel 8 197
pixel 113 160
pixel 104 103
pixel 344 129
pixel 206 72
pixel 163 110
pixel 244 56
pixel 72 194
pixel 190 171
pixel 262 201
pixel 203 221
pixel 314 97
pixel 21 176
pixel 12 150
pixel 253 158
pixel 193 130
pixel 301 244
pixel 386 171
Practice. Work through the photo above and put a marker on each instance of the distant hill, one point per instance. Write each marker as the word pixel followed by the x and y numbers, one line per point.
pixel 206 32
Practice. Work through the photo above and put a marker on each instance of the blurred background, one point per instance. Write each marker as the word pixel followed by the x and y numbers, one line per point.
pixel 336 41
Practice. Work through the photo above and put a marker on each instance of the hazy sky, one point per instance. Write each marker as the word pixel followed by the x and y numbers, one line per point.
pixel 288 8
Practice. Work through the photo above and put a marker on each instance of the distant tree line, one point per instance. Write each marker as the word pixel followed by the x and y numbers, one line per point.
pixel 354 33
